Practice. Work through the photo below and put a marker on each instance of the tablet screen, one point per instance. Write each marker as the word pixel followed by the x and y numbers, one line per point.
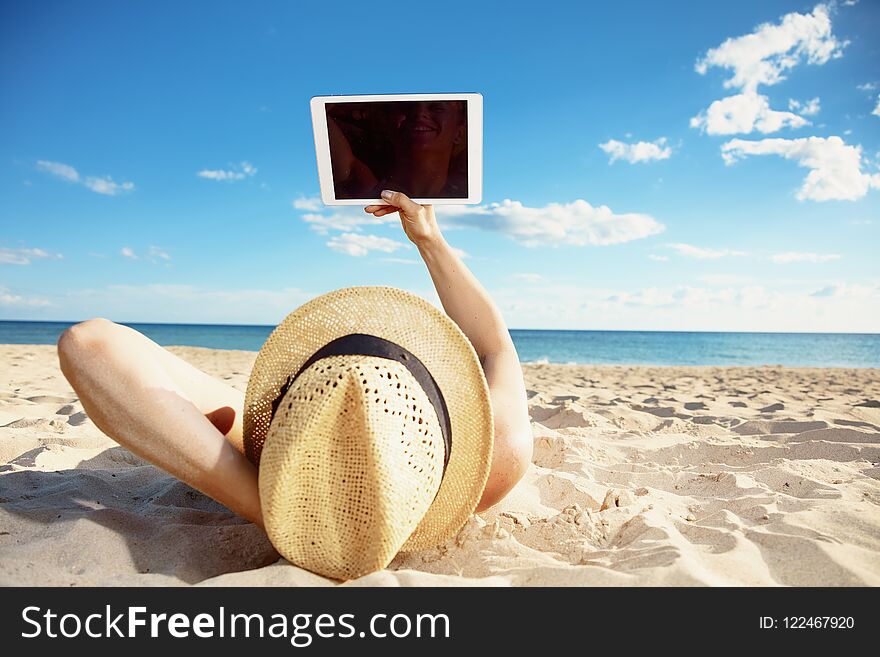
pixel 419 148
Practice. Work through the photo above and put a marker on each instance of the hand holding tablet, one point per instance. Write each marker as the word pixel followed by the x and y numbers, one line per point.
pixel 428 146
pixel 419 221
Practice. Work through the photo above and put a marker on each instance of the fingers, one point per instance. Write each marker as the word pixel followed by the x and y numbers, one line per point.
pixel 380 210
pixel 402 201
pixel 397 202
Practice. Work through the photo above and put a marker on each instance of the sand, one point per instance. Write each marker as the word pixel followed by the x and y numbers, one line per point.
pixel 641 476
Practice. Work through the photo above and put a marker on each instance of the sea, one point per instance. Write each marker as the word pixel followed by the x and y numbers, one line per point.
pixel 547 346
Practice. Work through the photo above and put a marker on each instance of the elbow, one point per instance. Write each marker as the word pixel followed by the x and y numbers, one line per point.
pixel 511 458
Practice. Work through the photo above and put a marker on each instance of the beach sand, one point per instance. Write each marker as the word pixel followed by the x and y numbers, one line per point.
pixel 641 476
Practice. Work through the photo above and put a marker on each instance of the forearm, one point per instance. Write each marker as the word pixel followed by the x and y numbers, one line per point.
pixel 464 298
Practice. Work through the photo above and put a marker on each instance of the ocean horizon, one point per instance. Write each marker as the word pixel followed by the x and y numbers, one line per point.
pixel 593 347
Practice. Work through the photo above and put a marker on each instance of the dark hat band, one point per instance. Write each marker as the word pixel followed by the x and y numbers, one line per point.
pixel 371 345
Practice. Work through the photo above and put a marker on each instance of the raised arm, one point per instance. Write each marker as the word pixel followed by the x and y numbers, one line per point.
pixel 469 305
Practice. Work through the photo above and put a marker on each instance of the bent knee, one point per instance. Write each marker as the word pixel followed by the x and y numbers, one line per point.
pixel 85 337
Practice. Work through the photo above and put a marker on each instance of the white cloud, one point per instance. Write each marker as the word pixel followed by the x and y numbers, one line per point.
pixel 58 169
pixel 7 298
pixel 746 307
pixel 841 307
pixel 762 58
pixel 577 223
pixel 868 86
pixel 847 291
pixel 556 224
pixel 25 256
pixel 106 186
pixel 313 203
pixel 658 258
pixel 744 113
pixel 835 167
pixel 643 151
pixel 702 253
pixel 806 108
pixel 242 171
pixel 99 184
pixel 876 111
pixel 156 253
pixel 528 278
pixel 684 296
pixel 346 218
pixel 358 244
pixel 794 256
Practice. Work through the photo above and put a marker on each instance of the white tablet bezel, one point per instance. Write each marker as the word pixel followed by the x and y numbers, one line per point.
pixel 475 146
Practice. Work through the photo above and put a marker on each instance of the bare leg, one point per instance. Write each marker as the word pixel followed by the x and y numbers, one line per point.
pixel 163 409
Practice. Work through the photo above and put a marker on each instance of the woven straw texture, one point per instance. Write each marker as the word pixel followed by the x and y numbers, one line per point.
pixel 351 463
pixel 432 337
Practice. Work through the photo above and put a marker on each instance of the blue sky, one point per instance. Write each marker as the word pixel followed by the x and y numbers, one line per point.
pixel 668 166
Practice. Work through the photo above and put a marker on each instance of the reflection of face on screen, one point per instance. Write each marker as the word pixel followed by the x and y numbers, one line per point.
pixel 416 147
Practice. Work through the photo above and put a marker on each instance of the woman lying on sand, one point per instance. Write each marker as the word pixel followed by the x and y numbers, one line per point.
pixel 190 424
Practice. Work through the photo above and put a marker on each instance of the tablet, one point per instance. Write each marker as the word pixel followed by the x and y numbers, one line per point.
pixel 428 146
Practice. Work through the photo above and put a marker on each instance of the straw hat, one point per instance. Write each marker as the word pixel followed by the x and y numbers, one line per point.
pixel 368 414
